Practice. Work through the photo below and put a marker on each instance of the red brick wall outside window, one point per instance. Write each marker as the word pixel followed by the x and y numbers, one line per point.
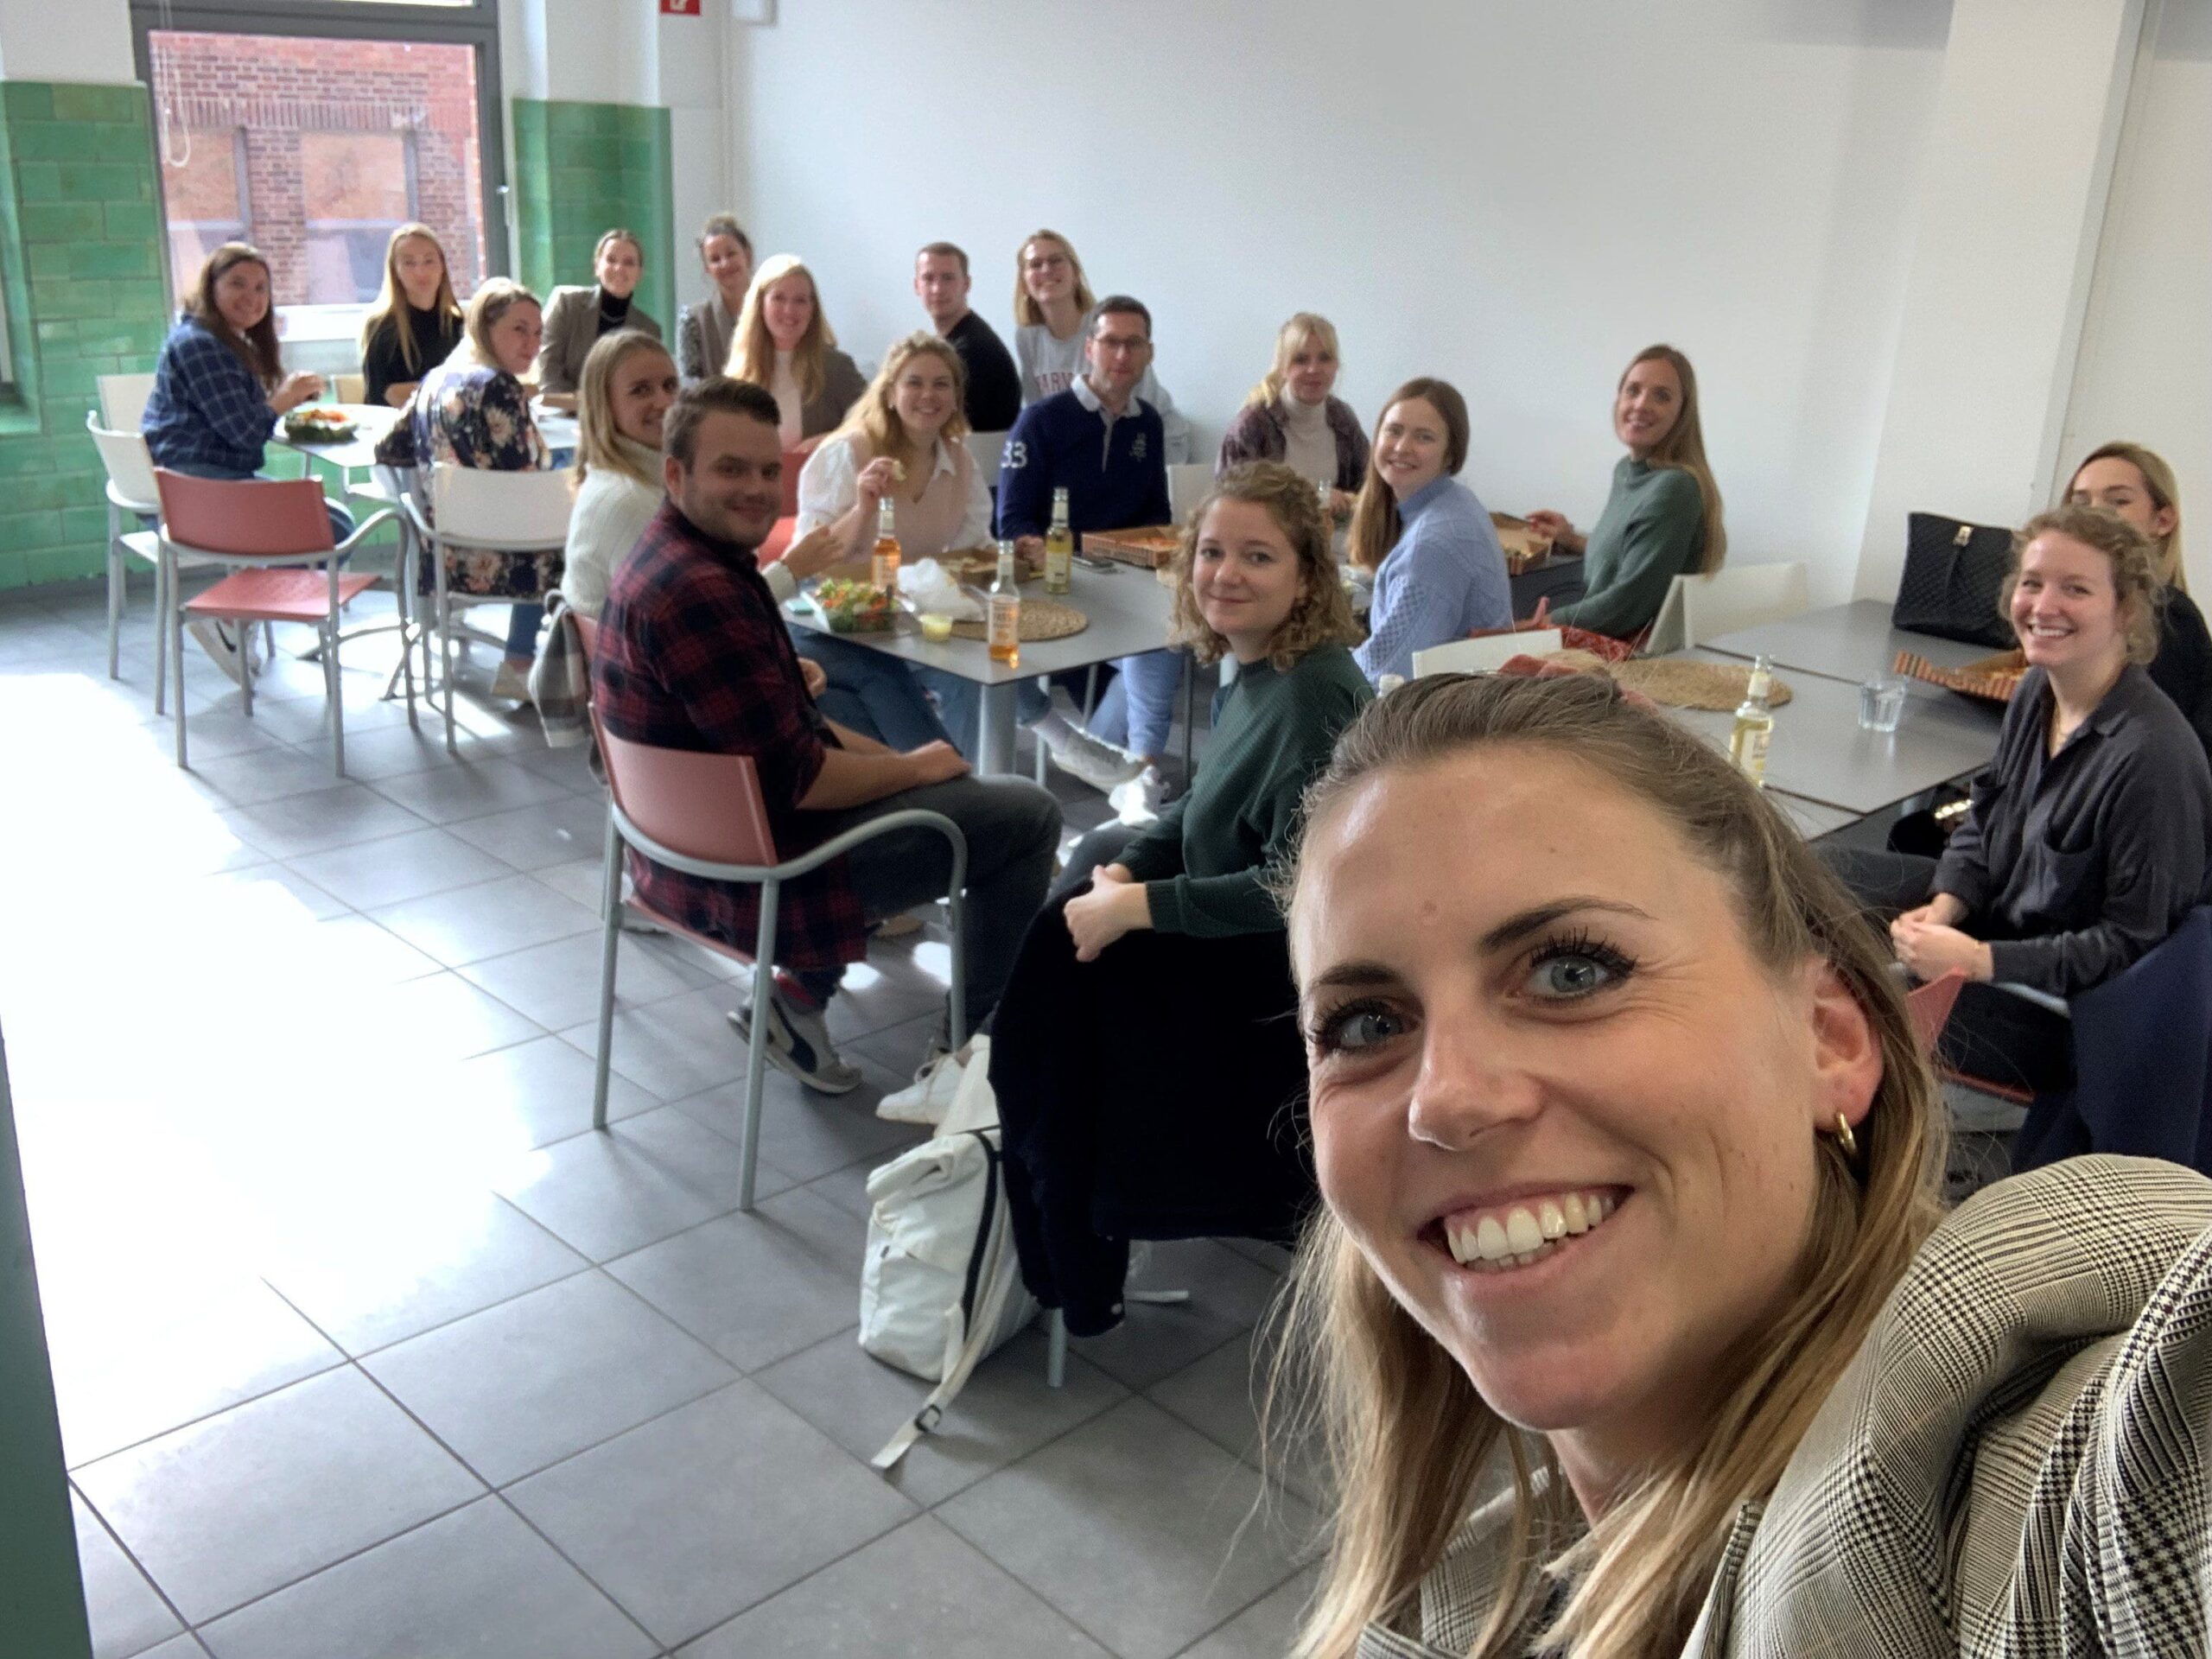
pixel 314 149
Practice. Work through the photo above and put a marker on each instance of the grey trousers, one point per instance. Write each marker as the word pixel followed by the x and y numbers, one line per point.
pixel 1013 830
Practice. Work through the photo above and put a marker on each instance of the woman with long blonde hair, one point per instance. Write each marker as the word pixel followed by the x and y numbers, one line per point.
pixel 1293 416
pixel 784 343
pixel 416 321
pixel 1662 517
pixel 628 382
pixel 1631 1162
pixel 2137 484
pixel 903 442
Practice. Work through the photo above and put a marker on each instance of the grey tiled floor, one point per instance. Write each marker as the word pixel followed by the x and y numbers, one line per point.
pixel 368 1346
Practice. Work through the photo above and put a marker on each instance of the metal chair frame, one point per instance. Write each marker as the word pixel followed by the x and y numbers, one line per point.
pixel 622 831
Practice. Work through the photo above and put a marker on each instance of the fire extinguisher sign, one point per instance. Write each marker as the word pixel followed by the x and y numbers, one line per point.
pixel 679 7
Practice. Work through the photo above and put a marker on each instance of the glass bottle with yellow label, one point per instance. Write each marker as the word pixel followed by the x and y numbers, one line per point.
pixel 883 567
pixel 1754 730
pixel 1059 548
pixel 1004 605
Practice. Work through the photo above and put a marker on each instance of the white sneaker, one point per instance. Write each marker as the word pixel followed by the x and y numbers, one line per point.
pixel 221 649
pixel 1098 763
pixel 1138 801
pixel 929 1098
pixel 799 1043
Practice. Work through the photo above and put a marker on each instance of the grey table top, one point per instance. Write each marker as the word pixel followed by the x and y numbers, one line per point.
pixel 1821 753
pixel 1851 642
pixel 1813 818
pixel 353 453
pixel 1127 607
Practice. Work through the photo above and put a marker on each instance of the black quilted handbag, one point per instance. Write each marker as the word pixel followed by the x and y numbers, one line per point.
pixel 1953 571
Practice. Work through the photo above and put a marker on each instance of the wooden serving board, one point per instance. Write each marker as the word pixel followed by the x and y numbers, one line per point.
pixel 1149 547
pixel 1994 679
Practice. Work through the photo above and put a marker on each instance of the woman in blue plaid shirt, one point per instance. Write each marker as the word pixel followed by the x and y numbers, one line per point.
pixel 219 387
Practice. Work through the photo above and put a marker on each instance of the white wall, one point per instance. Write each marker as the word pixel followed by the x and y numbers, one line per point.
pixel 2027 121
pixel 1516 197
pixel 88 46
pixel 2145 369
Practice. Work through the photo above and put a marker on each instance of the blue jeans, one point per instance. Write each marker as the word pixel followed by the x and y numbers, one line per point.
pixel 341 522
pixel 874 695
pixel 522 623
pixel 1138 709
pixel 961 703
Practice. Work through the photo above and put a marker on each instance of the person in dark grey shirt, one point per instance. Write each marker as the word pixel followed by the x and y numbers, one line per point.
pixel 2086 843
pixel 941 282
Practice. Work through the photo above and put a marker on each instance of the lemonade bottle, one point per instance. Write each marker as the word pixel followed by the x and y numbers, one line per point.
pixel 1059 547
pixel 1754 729
pixel 883 568
pixel 1005 601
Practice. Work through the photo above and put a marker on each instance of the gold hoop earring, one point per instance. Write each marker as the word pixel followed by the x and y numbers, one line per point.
pixel 1846 1139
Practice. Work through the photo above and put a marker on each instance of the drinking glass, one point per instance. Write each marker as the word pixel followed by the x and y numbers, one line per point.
pixel 1881 702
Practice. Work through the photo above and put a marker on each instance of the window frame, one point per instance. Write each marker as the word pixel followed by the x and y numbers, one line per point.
pixel 472 23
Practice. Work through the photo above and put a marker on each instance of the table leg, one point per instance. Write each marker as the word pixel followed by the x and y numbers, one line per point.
pixel 995 739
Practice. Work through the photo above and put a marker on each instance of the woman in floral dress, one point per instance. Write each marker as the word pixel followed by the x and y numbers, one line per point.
pixel 473 410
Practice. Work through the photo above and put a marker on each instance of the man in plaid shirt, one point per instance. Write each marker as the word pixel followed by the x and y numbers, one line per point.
pixel 692 655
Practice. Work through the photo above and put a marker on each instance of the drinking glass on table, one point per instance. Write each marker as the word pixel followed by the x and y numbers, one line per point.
pixel 1881 702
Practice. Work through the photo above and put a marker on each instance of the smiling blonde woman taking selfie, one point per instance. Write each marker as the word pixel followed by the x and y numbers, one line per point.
pixel 1630 1165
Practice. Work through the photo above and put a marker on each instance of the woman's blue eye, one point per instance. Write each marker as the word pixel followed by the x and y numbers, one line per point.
pixel 1362 1026
pixel 1570 976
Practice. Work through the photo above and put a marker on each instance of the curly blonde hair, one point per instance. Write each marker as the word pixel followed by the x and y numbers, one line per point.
pixel 1322 614
pixel 2136 587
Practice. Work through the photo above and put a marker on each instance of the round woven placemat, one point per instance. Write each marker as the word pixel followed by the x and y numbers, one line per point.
pixel 1717 686
pixel 1041 619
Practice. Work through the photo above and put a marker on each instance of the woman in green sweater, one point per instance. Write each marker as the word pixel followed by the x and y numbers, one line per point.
pixel 1145 1053
pixel 1662 517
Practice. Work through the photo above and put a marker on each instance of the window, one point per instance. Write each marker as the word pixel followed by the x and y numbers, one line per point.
pixel 356 188
pixel 203 180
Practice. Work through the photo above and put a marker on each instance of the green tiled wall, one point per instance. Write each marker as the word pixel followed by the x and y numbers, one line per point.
pixel 580 169
pixel 80 269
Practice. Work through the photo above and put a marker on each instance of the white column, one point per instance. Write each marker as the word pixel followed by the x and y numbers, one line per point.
pixel 2012 206
pixel 88 46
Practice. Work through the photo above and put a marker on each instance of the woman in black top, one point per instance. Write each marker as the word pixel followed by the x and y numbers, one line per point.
pixel 2138 485
pixel 2085 845
pixel 416 322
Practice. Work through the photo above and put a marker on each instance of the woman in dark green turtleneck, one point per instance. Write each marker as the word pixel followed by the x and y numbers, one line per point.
pixel 1662 517
pixel 1147 1051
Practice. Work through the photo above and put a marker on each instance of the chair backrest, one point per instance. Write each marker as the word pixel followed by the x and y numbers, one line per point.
pixel 704 806
pixel 130 468
pixel 1929 1005
pixel 352 388
pixel 504 512
pixel 1187 484
pixel 123 400
pixel 794 464
pixel 1485 653
pixel 1741 596
pixel 988 448
pixel 252 518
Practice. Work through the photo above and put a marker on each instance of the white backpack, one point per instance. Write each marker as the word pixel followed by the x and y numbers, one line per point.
pixel 941 1288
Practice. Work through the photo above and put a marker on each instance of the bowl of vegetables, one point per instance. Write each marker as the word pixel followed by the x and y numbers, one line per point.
pixel 851 606
pixel 319 425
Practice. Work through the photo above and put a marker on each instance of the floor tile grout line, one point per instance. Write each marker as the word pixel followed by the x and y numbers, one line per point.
pixel 131 1555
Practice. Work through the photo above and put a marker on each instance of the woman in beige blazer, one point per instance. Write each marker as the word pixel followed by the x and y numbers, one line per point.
pixel 576 317
pixel 1632 1168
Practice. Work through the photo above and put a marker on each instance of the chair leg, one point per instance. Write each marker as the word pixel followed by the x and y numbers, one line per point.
pixel 114 591
pixel 245 665
pixel 330 641
pixel 756 1057
pixel 957 909
pixel 163 584
pixel 609 948
pixel 177 664
pixel 1056 1349
pixel 402 580
pixel 445 645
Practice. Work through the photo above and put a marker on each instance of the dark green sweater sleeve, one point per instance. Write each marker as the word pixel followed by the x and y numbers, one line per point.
pixel 1157 851
pixel 1658 543
pixel 1220 907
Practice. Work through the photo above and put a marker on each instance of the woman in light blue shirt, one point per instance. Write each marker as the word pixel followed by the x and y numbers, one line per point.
pixel 1440 573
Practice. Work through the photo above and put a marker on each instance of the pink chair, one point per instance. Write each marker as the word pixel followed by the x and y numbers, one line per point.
pixel 273 533
pixel 702 814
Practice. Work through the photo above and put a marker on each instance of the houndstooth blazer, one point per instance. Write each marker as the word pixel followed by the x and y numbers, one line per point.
pixel 2014 1464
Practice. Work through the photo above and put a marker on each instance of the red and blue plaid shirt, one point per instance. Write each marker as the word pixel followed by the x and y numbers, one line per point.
pixel 692 655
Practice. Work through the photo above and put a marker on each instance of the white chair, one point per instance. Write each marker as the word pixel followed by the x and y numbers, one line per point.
pixel 1481 656
pixel 988 448
pixel 1698 608
pixel 483 512
pixel 131 490
pixel 123 400
pixel 1187 484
